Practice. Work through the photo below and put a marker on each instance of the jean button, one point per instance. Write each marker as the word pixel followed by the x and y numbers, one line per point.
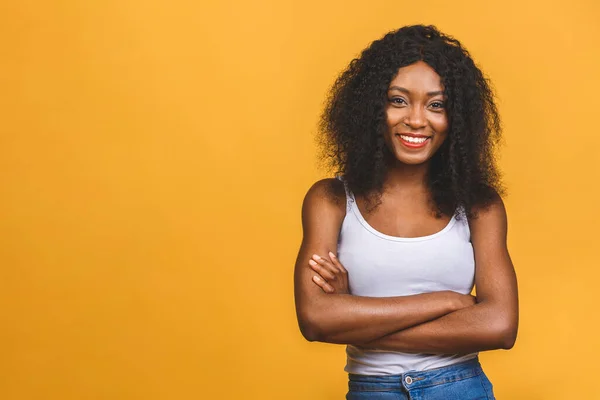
pixel 408 380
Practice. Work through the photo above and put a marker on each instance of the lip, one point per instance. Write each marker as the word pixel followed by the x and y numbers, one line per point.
pixel 413 145
pixel 412 135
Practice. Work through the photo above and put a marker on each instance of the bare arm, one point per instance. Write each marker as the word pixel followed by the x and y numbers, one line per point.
pixel 492 322
pixel 343 318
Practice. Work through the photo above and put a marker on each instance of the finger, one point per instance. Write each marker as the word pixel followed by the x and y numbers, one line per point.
pixel 337 263
pixel 321 270
pixel 326 264
pixel 327 288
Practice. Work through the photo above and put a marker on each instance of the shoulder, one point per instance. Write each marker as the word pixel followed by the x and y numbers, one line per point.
pixel 325 200
pixel 328 194
pixel 490 219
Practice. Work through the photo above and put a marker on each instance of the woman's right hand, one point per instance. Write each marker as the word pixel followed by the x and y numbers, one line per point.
pixel 332 276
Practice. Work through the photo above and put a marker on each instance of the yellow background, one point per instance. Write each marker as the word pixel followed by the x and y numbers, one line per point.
pixel 153 160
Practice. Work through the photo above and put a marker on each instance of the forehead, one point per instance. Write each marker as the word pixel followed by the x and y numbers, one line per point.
pixel 418 76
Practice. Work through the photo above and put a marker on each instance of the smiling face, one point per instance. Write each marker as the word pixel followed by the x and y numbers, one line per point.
pixel 417 123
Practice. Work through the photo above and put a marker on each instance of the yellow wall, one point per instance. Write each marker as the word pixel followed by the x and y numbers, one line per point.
pixel 153 160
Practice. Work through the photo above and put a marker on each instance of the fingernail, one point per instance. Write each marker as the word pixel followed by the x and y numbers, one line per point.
pixel 316 278
pixel 311 262
pixel 331 255
pixel 316 257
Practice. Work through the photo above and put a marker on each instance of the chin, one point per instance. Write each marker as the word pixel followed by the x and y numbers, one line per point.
pixel 407 160
pixel 412 162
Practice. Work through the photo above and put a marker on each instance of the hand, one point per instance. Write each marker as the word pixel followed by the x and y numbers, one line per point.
pixel 463 300
pixel 466 300
pixel 332 276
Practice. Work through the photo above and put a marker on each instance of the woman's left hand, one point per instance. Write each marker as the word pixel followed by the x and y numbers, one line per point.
pixel 332 276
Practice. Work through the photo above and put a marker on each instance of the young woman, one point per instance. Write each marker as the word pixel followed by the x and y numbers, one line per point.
pixel 393 247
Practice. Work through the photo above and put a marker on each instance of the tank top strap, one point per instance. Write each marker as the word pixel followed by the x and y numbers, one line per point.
pixel 349 194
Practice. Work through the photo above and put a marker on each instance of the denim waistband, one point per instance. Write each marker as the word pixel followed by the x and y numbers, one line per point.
pixel 419 379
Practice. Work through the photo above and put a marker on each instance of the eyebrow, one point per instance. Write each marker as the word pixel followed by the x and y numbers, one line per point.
pixel 404 90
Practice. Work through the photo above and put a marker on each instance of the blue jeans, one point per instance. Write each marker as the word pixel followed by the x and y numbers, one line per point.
pixel 461 381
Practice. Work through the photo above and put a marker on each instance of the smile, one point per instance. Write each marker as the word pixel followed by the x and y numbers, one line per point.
pixel 413 142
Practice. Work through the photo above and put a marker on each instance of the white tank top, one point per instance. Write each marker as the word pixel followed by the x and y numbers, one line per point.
pixel 381 265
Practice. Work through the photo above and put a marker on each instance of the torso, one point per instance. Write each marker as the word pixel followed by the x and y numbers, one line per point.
pixel 401 249
pixel 404 215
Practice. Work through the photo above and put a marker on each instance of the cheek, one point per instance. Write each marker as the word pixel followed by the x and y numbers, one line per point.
pixel 440 124
pixel 394 116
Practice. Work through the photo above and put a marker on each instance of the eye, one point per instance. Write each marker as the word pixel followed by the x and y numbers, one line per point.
pixel 398 101
pixel 437 105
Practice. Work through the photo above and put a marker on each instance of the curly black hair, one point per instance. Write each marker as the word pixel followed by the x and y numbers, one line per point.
pixel 462 173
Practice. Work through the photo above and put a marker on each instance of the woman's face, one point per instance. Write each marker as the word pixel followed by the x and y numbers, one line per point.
pixel 416 115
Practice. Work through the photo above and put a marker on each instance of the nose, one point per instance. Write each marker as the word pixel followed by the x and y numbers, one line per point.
pixel 415 118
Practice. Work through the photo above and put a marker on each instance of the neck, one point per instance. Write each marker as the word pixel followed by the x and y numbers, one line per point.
pixel 406 177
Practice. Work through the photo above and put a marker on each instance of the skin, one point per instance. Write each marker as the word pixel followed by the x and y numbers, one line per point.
pixel 438 322
pixel 416 105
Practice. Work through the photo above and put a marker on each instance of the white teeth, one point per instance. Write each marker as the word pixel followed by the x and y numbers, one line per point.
pixel 412 139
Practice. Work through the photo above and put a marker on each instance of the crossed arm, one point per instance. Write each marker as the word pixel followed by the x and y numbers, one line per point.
pixel 438 322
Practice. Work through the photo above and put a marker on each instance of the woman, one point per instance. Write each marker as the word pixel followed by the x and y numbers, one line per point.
pixel 393 247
